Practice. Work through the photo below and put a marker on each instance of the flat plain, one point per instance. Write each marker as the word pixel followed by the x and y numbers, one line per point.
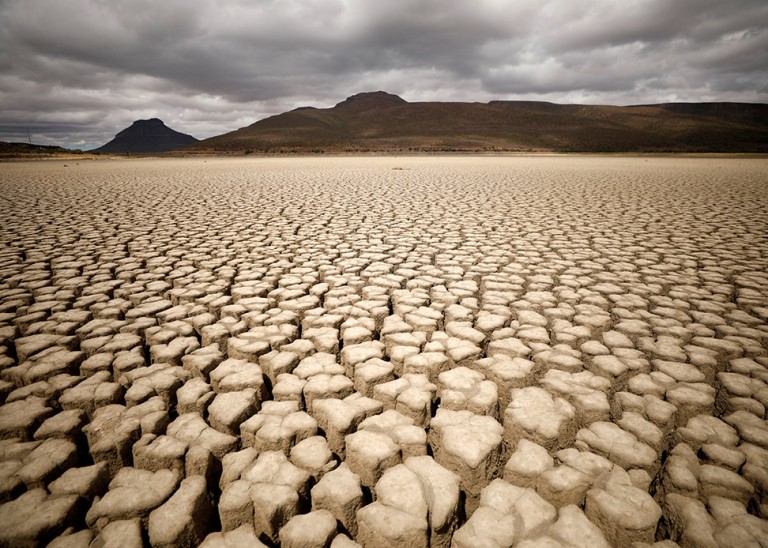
pixel 384 351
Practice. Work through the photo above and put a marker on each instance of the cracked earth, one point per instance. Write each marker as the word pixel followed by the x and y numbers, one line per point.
pixel 541 351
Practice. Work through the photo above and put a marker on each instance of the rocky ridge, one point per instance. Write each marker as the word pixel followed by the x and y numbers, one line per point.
pixel 383 122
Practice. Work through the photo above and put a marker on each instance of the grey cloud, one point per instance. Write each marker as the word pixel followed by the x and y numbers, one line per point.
pixel 85 69
pixel 606 23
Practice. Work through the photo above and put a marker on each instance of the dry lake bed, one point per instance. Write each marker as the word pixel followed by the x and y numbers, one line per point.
pixel 390 351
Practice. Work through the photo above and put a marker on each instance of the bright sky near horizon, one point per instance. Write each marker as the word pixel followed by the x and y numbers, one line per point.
pixel 74 73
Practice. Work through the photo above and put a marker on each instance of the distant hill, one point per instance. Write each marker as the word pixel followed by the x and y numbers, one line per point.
pixel 26 150
pixel 380 121
pixel 147 136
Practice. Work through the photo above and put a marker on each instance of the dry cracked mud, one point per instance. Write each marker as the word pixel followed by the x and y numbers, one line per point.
pixel 534 351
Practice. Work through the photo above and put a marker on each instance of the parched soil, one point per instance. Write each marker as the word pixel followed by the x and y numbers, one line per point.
pixel 420 351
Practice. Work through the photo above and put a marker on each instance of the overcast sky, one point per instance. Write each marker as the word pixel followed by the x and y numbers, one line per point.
pixel 75 72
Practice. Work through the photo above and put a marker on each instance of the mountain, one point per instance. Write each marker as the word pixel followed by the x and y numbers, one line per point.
pixel 147 136
pixel 380 121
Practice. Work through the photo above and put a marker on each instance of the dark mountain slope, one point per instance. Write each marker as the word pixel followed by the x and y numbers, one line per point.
pixel 145 136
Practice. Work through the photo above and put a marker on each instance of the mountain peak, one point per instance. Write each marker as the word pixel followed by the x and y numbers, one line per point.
pixel 149 122
pixel 371 99
pixel 140 127
pixel 151 135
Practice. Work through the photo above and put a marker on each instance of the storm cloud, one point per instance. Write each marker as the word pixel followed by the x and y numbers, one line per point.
pixel 76 72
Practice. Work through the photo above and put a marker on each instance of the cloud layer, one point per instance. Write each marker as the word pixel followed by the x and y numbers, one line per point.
pixel 76 72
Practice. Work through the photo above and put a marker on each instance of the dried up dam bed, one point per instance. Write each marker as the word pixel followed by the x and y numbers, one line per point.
pixel 534 351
